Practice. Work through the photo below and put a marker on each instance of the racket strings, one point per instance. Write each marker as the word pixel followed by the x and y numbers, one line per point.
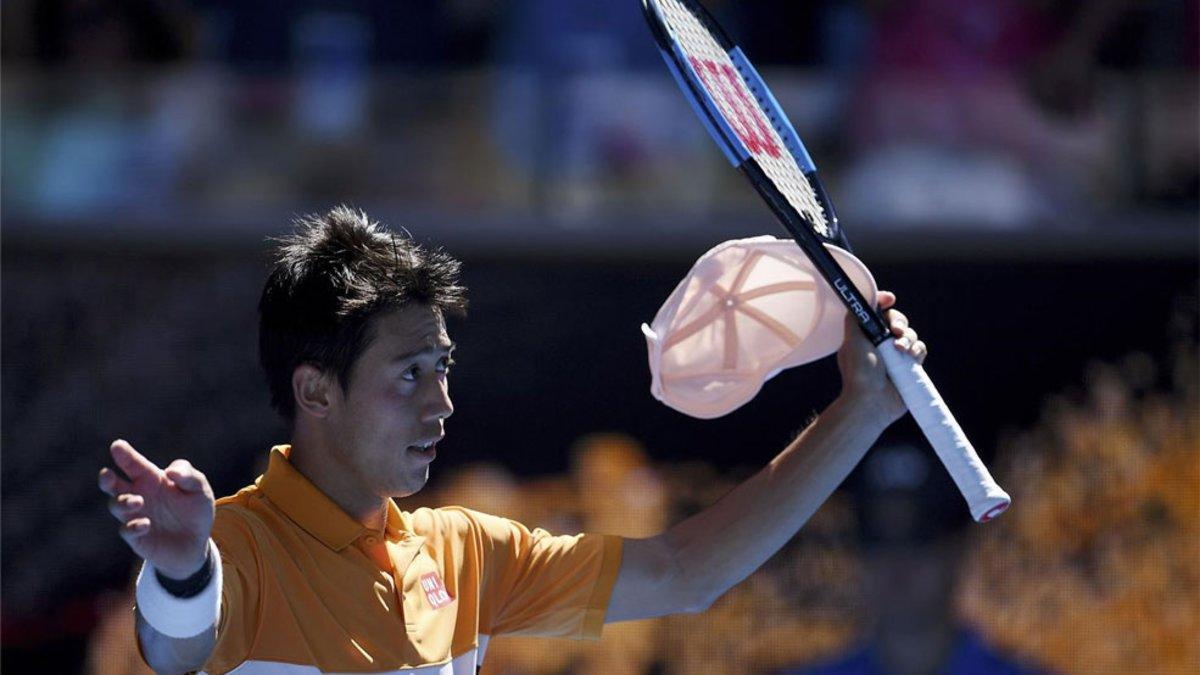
pixel 728 87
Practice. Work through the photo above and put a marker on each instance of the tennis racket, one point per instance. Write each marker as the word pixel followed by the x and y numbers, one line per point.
pixel 756 137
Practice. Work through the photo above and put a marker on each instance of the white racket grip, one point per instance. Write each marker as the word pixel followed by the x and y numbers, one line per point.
pixel 985 498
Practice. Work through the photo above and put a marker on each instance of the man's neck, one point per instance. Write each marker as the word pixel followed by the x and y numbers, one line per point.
pixel 319 466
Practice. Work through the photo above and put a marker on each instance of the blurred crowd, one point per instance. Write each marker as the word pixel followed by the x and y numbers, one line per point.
pixel 985 113
pixel 1097 571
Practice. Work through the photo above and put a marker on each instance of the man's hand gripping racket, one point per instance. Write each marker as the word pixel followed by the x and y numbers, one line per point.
pixel 750 128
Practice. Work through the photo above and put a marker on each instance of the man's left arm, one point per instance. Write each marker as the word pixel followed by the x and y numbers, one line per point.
pixel 693 563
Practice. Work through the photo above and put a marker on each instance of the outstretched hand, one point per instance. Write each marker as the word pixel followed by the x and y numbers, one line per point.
pixel 166 516
pixel 864 376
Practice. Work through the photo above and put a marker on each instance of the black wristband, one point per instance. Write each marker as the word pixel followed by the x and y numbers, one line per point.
pixel 193 585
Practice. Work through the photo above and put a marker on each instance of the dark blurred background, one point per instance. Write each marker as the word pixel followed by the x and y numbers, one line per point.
pixel 1024 174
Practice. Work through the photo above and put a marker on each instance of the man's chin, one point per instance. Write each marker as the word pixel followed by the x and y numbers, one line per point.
pixel 413 485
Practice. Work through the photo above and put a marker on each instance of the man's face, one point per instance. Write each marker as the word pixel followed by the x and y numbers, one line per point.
pixel 395 403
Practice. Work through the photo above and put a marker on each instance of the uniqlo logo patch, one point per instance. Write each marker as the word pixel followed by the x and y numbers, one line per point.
pixel 435 590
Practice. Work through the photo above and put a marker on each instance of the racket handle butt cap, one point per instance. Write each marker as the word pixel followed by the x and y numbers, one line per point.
pixel 990 508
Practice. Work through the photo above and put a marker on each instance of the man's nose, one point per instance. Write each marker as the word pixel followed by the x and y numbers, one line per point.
pixel 439 406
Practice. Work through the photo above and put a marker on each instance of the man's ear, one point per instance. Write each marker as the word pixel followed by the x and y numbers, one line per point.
pixel 313 390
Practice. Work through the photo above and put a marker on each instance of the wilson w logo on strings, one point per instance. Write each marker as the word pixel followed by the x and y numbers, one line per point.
pixel 723 83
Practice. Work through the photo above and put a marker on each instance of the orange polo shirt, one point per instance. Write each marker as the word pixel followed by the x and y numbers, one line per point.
pixel 307 587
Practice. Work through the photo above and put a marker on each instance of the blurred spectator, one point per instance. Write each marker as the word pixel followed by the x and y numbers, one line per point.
pixel 982 111
pixel 618 489
pixel 911 526
pixel 97 144
pixel 581 107
pixel 486 487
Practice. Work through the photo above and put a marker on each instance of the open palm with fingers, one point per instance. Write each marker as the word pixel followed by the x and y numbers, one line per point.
pixel 166 515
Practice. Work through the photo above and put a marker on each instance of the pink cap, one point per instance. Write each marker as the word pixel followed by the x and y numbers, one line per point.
pixel 747 309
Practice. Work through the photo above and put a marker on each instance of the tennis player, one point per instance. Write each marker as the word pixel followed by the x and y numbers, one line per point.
pixel 315 566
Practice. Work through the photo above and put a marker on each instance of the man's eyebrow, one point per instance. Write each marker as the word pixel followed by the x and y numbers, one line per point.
pixel 431 349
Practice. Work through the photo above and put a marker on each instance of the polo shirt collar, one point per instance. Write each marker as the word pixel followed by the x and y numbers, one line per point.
pixel 313 510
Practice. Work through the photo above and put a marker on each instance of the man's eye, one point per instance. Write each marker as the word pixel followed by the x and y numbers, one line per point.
pixel 414 372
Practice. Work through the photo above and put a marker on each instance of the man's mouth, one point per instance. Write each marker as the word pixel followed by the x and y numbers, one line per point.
pixel 426 450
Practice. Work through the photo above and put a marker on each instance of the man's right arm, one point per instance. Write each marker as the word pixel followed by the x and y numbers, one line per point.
pixel 166 518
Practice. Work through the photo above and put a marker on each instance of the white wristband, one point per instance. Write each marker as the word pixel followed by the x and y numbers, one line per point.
pixel 180 617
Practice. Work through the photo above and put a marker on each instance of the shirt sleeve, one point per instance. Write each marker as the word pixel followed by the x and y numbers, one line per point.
pixel 238 622
pixel 536 583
